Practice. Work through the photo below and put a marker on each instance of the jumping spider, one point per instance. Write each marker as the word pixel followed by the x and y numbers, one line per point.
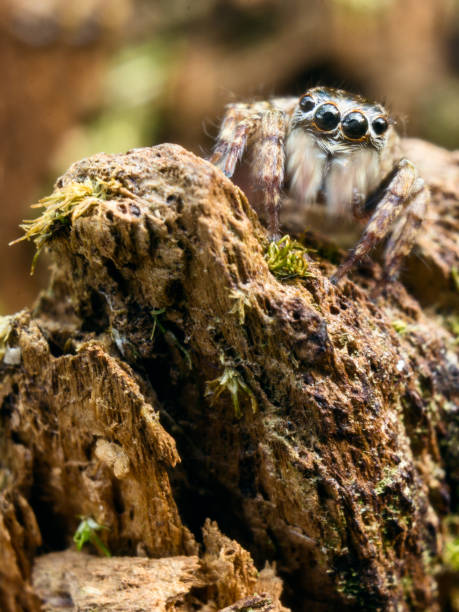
pixel 339 149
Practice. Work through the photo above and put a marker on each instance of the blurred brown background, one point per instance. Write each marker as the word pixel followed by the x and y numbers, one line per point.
pixel 109 75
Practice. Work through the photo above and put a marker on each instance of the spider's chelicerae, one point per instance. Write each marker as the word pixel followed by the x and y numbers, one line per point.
pixel 335 148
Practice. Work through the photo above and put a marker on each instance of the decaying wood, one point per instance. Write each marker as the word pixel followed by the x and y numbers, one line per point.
pixel 72 579
pixel 224 573
pixel 343 462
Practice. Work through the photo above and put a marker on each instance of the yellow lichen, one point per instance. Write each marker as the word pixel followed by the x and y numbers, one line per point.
pixel 287 258
pixel 232 382
pixel 63 207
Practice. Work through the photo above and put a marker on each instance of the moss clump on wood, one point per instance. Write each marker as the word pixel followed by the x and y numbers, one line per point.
pixel 64 206
pixel 287 258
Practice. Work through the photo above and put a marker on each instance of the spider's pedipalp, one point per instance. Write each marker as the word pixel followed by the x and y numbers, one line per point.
pixel 395 203
pixel 269 162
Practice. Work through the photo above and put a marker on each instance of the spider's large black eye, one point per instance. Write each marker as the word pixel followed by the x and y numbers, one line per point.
pixel 355 125
pixel 327 117
pixel 307 103
pixel 380 125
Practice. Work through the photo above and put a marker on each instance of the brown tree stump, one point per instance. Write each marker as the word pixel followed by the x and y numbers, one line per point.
pixel 167 376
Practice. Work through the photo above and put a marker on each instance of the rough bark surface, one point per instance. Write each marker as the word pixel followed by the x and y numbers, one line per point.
pixel 342 473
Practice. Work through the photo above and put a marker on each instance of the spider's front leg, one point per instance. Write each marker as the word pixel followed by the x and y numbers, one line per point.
pixel 264 125
pixel 405 201
pixel 269 162
pixel 240 122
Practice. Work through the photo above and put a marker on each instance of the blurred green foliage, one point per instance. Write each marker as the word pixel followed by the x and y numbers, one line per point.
pixel 132 104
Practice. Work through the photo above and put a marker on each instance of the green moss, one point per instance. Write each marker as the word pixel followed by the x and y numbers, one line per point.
pixel 400 326
pixel 287 258
pixel 63 207
pixel 86 532
pixel 232 382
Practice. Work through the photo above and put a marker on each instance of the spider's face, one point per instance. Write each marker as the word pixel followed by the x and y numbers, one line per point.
pixel 340 120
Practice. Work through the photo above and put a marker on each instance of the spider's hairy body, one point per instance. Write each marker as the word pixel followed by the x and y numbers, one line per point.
pixel 335 176
pixel 334 148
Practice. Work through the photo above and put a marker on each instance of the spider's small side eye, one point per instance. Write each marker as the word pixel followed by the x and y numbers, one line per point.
pixel 380 125
pixel 307 103
pixel 327 117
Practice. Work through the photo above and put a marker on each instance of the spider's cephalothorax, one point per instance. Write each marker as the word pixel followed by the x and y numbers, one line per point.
pixel 336 148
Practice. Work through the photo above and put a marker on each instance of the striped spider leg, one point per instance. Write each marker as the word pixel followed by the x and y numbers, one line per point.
pixel 399 211
pixel 263 125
